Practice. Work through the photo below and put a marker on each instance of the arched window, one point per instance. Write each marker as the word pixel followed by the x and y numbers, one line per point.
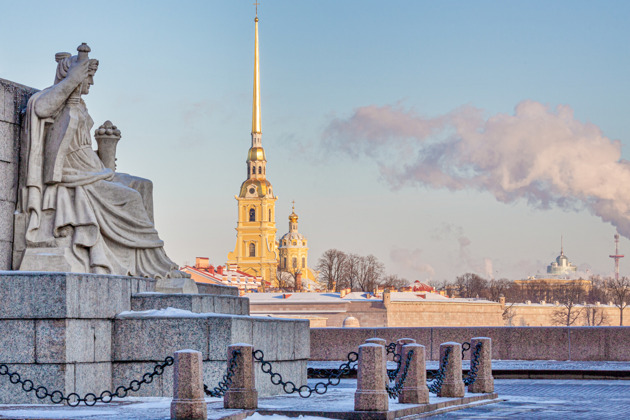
pixel 294 261
pixel 252 215
pixel 284 265
pixel 270 215
pixel 252 250
pixel 260 169
pixel 253 170
pixel 303 262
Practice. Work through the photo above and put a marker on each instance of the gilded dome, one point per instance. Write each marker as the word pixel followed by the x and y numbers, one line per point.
pixel 256 153
pixel 256 188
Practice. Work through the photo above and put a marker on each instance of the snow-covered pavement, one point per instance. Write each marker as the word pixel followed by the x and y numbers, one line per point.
pixel 581 399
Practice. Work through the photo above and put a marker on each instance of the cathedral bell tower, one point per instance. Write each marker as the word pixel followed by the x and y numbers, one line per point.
pixel 256 251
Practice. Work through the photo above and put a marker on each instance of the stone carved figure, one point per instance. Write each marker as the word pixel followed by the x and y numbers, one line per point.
pixel 74 213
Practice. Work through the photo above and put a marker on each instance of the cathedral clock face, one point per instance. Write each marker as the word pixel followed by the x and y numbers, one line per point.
pixel 252 190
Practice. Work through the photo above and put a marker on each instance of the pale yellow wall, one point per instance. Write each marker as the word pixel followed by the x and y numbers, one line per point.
pixel 446 314
pixel 536 315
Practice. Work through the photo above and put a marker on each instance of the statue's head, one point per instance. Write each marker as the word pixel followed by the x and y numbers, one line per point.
pixel 65 60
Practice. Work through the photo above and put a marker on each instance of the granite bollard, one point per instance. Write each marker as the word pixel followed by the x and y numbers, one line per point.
pixel 484 382
pixel 188 396
pixel 415 390
pixel 399 345
pixel 376 340
pixel 242 392
pixel 370 394
pixel 453 385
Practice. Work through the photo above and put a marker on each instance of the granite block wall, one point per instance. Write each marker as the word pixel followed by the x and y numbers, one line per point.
pixel 508 343
pixel 13 99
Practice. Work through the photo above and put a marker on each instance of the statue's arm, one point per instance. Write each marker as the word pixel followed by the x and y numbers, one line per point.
pixel 52 99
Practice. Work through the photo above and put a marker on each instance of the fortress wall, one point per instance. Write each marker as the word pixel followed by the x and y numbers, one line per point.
pixel 537 315
pixel 452 314
pixel 13 99
pixel 508 343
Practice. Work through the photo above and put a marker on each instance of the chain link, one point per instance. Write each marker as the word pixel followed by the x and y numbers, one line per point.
pixel 224 385
pixel 465 348
pixel 74 399
pixel 395 391
pixel 436 385
pixel 474 365
pixel 306 391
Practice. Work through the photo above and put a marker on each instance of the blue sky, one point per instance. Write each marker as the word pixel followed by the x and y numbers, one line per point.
pixel 176 78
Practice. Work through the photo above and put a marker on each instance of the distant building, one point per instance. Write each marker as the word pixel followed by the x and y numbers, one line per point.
pixel 561 267
pixel 204 272
pixel 293 256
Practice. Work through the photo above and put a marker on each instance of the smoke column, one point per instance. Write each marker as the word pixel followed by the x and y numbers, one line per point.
pixel 539 154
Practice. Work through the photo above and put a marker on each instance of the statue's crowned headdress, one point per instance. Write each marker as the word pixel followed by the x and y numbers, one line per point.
pixel 65 59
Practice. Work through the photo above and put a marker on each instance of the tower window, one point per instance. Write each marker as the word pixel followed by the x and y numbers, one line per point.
pixel 260 169
pixel 294 261
pixel 252 215
pixel 303 262
pixel 252 250
pixel 284 265
pixel 253 170
pixel 270 215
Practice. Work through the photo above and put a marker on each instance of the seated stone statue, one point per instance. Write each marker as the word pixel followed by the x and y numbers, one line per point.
pixel 74 213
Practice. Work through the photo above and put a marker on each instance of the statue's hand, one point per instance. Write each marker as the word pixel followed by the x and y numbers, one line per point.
pixel 78 72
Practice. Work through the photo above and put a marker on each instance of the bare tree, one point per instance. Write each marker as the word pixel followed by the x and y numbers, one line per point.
pixel 508 314
pixel 594 316
pixel 287 277
pixel 393 281
pixel 352 265
pixel 497 288
pixel 370 273
pixel 619 292
pixel 569 297
pixel 471 285
pixel 331 266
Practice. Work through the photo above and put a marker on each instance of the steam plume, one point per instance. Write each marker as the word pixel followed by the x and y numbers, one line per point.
pixel 540 154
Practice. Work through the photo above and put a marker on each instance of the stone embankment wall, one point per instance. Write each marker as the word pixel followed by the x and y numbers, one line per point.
pixel 13 99
pixel 508 343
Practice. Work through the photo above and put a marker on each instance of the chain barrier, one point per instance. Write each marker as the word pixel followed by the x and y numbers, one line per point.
pixel 224 385
pixel 465 348
pixel 438 378
pixel 305 391
pixel 474 365
pixel 395 390
pixel 74 399
pixel 343 370
pixel 391 349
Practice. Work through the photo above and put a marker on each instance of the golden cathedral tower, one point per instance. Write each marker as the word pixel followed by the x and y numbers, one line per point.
pixel 256 251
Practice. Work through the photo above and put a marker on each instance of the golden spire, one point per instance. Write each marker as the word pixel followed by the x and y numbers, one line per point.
pixel 256 107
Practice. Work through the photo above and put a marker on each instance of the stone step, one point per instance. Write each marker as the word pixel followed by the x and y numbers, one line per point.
pixel 196 303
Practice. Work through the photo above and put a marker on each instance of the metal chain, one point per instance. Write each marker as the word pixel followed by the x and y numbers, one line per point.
pixel 474 365
pixel 343 370
pixel 391 349
pixel 306 391
pixel 74 399
pixel 224 385
pixel 395 390
pixel 436 385
pixel 465 348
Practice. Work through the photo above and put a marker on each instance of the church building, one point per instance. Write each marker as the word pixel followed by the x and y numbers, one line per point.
pixel 256 251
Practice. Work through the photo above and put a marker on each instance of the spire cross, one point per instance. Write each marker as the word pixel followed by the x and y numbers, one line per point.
pixel 293 205
pixel 256 4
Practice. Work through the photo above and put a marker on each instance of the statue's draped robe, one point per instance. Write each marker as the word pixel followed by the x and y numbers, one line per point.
pixel 112 230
